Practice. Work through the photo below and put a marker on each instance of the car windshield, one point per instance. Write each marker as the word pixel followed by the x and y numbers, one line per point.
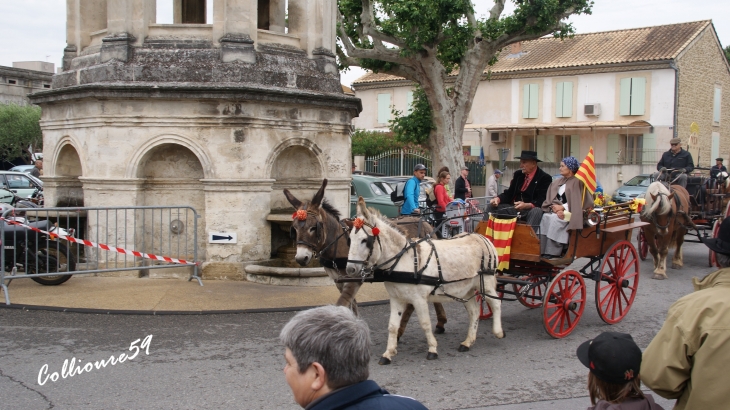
pixel 381 188
pixel 639 180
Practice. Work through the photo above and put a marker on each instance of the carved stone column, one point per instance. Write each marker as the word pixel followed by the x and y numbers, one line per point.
pixel 234 27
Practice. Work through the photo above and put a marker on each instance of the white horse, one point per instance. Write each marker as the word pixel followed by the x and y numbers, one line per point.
pixel 375 243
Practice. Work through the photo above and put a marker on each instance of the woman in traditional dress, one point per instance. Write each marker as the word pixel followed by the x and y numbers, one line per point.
pixel 564 204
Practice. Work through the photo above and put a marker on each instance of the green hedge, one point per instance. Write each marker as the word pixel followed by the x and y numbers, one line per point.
pixel 370 143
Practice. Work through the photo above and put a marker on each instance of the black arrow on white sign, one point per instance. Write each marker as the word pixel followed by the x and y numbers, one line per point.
pixel 221 238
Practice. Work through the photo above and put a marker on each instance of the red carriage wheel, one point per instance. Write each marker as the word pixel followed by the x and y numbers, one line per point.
pixel 533 297
pixel 564 303
pixel 643 245
pixel 618 282
pixel 715 234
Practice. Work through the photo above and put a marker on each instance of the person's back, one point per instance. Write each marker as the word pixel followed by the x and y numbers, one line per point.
pixel 366 395
pixel 689 357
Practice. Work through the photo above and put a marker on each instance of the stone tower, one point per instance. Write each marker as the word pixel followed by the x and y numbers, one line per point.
pixel 219 116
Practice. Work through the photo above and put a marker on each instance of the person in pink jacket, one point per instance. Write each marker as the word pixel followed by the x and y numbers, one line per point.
pixel 442 197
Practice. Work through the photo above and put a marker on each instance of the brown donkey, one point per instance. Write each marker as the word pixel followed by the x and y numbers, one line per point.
pixel 319 232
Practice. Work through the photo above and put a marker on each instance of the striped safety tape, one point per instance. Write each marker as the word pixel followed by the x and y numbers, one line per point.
pixel 101 245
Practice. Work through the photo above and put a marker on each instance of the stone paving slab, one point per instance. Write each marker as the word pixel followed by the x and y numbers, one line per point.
pixel 161 295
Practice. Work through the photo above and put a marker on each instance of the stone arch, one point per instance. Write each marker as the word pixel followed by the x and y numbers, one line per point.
pixel 138 159
pixel 66 166
pixel 296 164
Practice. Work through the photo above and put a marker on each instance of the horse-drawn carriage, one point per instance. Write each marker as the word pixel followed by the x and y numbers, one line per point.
pixel 539 283
pixel 708 206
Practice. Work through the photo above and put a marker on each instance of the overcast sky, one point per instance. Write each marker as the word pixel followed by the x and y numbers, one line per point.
pixel 35 30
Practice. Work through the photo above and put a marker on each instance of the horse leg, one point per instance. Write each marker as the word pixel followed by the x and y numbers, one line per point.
pixel 677 261
pixel 348 291
pixel 490 284
pixel 424 319
pixel 440 317
pixel 404 320
pixel 661 270
pixel 471 335
pixel 397 307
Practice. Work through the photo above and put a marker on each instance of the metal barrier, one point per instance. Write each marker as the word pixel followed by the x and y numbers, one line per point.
pixel 51 244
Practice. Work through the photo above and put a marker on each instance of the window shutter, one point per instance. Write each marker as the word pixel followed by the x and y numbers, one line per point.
pixel 612 147
pixel 567 99
pixel 533 100
pixel 649 142
pixel 409 102
pixel 575 147
pixel 516 145
pixel 625 97
pixel 383 108
pixel 638 95
pixel 526 101
pixel 716 107
pixel 559 100
pixel 540 147
pixel 715 152
pixel 549 149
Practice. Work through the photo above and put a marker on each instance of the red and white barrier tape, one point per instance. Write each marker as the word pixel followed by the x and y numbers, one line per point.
pixel 101 245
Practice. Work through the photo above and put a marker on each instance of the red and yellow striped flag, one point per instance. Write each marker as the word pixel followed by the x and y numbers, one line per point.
pixel 499 232
pixel 587 172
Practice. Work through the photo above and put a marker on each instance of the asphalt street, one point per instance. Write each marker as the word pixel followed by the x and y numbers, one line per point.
pixel 235 361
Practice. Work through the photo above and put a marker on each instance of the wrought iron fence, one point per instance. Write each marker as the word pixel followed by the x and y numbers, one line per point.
pixel 396 162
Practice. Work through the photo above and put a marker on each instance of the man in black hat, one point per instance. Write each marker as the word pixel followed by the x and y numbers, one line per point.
pixel 526 192
pixel 715 171
pixel 678 160
pixel 689 357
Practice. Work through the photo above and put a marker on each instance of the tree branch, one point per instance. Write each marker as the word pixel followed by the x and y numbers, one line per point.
pixel 496 10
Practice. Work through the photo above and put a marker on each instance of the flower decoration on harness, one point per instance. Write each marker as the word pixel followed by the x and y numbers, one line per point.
pixel 300 215
pixel 358 223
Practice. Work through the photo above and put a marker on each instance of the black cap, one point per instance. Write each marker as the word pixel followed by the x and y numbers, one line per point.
pixel 721 244
pixel 719 159
pixel 419 167
pixel 612 357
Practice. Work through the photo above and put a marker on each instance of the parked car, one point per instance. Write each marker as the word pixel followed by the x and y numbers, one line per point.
pixel 376 192
pixel 633 188
pixel 22 168
pixel 22 184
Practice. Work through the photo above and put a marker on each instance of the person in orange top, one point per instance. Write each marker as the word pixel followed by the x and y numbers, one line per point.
pixel 442 198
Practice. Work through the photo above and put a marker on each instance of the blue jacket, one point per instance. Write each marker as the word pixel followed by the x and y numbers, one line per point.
pixel 411 192
pixel 365 395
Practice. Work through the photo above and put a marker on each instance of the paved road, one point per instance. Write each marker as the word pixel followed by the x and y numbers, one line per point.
pixel 235 361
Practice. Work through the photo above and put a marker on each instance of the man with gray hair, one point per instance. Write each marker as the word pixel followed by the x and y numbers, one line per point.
pixel 327 363
pixel 689 357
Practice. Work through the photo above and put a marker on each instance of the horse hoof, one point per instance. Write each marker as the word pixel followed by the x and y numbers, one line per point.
pixel 463 348
pixel 659 277
pixel 432 356
pixel 383 361
pixel 440 330
pixel 502 336
pixel 676 266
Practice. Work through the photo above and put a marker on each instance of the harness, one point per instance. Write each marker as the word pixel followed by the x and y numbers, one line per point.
pixel 335 263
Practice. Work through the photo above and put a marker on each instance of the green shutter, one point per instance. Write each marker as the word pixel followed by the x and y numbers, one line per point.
pixel 534 100
pixel 549 149
pixel 716 106
pixel 383 108
pixel 625 97
pixel 575 147
pixel 409 102
pixel 559 100
pixel 516 145
pixel 648 143
pixel 612 147
pixel 526 101
pixel 540 147
pixel 567 99
pixel 638 95
pixel 715 152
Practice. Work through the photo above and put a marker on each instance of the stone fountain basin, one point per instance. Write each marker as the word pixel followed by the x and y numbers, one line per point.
pixel 283 273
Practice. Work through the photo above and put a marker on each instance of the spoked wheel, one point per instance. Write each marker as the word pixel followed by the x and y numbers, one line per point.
pixel 643 245
pixel 52 257
pixel 619 280
pixel 564 303
pixel 532 298
pixel 485 312
pixel 715 234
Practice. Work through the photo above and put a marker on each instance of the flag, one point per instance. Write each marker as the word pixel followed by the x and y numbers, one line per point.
pixel 499 232
pixel 481 156
pixel 587 172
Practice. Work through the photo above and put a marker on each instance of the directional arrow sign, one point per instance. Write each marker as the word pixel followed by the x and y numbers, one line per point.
pixel 222 237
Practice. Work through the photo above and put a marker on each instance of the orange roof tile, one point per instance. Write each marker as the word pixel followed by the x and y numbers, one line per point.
pixel 592 49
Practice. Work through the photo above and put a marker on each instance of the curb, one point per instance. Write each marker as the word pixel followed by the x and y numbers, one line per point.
pixel 172 312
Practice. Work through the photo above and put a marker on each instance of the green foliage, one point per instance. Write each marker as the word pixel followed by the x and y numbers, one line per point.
pixel 19 129
pixel 727 53
pixel 416 126
pixel 371 143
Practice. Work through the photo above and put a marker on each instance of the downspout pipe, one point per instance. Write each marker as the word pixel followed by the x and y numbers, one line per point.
pixel 674 67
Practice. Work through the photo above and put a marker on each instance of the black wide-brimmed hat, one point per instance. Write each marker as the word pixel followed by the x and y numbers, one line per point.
pixel 721 244
pixel 528 155
pixel 612 357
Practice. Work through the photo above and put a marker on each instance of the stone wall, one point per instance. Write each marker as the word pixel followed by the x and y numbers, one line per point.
pixel 701 67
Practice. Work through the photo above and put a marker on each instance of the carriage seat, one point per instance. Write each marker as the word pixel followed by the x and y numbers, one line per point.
pixel 697 191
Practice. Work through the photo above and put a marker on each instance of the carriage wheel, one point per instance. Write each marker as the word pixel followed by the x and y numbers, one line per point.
pixel 643 245
pixel 485 312
pixel 563 305
pixel 619 280
pixel 533 298
pixel 715 234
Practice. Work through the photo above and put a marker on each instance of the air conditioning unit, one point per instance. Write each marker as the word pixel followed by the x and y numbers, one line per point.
pixel 497 137
pixel 592 110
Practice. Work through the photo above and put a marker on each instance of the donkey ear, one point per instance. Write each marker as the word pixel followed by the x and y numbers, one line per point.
pixel 362 208
pixel 317 199
pixel 292 200
pixel 653 197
